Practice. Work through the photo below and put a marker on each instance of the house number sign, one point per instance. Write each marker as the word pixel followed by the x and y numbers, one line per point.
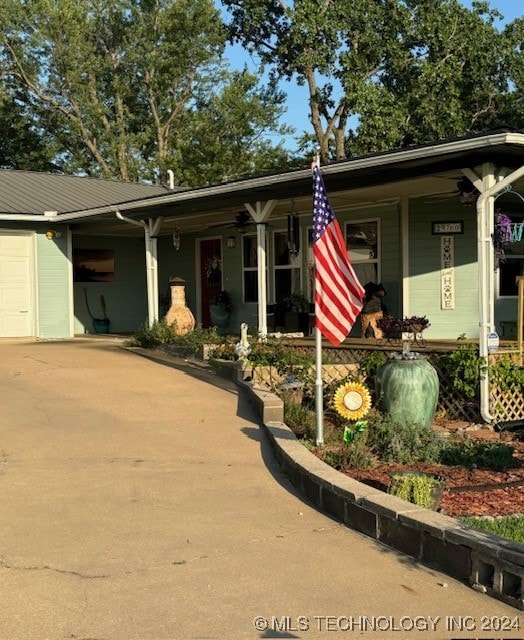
pixel 446 228
pixel 447 272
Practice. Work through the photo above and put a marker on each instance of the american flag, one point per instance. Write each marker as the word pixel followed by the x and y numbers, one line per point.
pixel 338 293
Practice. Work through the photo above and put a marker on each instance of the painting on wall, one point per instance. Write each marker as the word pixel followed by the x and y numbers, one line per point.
pixel 94 265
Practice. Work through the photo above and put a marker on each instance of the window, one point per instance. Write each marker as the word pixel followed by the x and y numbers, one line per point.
pixel 249 267
pixel 363 243
pixel 513 264
pixel 287 268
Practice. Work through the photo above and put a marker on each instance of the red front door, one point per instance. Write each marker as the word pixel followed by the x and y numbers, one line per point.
pixel 210 275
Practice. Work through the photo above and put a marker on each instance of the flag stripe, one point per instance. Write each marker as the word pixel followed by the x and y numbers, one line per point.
pixel 338 293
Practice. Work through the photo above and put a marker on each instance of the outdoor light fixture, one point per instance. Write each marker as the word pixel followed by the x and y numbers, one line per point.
pixel 293 231
pixel 176 238
pixel 50 234
pixel 231 242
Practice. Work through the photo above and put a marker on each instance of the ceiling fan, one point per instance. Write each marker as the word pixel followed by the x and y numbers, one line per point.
pixel 466 193
pixel 241 223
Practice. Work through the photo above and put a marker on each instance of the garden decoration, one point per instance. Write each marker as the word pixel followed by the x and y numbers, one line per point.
pixel 373 310
pixel 242 348
pixel 407 388
pixel 100 325
pixel 179 315
pixel 394 329
pixel 352 401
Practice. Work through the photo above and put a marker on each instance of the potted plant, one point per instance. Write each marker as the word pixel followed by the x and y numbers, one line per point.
pixel 422 489
pixel 220 306
pixel 100 325
pixel 296 317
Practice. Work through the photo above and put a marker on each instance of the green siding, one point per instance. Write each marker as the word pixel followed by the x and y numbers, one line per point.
pixel 53 277
pixel 425 265
pixel 126 296
pixel 183 264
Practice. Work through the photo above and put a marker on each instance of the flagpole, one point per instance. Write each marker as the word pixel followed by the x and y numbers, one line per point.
pixel 319 384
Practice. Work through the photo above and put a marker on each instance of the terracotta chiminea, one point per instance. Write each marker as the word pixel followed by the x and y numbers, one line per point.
pixel 179 314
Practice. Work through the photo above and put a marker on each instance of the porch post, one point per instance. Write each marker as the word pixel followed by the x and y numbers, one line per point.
pixel 151 230
pixel 260 213
pixel 489 188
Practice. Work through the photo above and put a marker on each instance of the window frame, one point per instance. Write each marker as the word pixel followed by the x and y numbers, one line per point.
pixel 378 258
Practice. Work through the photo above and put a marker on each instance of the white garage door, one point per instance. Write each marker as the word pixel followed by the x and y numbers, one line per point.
pixel 15 285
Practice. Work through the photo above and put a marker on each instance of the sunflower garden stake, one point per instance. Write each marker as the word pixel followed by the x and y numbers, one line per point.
pixel 352 401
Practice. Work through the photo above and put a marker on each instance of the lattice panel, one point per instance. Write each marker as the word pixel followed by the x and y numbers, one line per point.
pixel 506 405
pixel 503 405
pixel 269 376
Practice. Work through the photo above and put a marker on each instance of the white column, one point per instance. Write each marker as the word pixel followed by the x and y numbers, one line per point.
pixel 260 213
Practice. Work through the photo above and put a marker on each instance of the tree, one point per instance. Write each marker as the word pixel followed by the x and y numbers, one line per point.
pixel 21 145
pixel 122 85
pixel 402 70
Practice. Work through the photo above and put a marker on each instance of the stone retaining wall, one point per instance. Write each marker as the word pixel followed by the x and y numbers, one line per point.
pixel 488 563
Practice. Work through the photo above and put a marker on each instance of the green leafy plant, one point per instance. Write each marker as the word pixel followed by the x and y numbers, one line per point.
pixel 300 419
pixel 474 453
pixel 161 333
pixel 463 367
pixel 285 360
pixel 393 441
pixel 511 527
pixel 419 488
pixel 369 366
pixel 152 337
pixel 222 299
pixel 506 374
pixel 297 302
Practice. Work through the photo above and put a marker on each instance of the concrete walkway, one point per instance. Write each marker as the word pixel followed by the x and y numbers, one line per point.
pixel 141 502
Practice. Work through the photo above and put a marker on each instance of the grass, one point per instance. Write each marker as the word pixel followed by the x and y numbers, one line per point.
pixel 511 527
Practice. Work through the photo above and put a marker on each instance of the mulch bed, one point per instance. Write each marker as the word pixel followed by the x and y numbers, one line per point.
pixel 468 492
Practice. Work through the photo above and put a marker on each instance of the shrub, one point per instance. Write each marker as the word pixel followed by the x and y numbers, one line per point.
pixel 152 337
pixel 355 454
pixel 511 527
pixel 161 333
pixel 369 366
pixel 393 441
pixel 285 360
pixel 463 367
pixel 472 453
pixel 300 420
pixel 507 375
pixel 418 488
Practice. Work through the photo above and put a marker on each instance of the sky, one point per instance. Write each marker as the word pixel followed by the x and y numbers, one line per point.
pixel 297 97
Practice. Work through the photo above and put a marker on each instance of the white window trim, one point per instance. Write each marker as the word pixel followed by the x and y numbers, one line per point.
pixel 295 263
pixel 378 258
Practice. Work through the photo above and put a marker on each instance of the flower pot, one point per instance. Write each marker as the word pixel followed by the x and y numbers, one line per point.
pixel 101 325
pixel 291 391
pixel 422 489
pixel 408 390
pixel 219 317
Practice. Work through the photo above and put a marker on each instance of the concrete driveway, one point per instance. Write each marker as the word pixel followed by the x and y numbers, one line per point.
pixel 141 502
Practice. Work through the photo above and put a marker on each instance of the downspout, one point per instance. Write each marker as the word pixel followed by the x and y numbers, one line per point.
pixel 150 232
pixel 485 222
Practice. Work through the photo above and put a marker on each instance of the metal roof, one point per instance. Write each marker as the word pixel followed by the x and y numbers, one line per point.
pixel 89 205
pixel 33 193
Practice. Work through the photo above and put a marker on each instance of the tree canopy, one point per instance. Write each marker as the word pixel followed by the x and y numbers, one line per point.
pixel 388 73
pixel 132 88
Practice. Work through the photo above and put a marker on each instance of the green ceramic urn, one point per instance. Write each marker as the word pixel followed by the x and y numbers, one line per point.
pixel 407 390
